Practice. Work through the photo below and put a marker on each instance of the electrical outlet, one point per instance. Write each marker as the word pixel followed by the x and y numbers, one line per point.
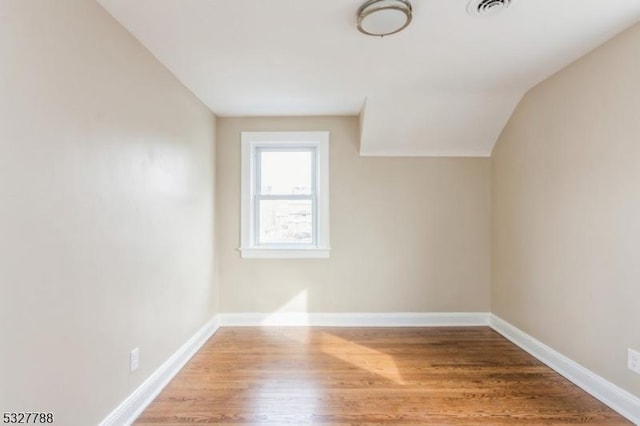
pixel 633 361
pixel 134 360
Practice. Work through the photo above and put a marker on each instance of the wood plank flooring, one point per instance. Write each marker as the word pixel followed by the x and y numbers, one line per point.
pixel 355 376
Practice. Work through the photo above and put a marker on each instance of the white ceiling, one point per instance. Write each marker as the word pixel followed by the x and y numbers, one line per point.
pixel 445 86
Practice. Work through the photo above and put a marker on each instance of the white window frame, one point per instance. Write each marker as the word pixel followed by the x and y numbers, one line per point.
pixel 252 144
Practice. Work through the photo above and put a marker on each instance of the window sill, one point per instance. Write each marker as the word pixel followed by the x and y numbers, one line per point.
pixel 277 253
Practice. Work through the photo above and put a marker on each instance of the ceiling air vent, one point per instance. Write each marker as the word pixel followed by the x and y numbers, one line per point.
pixel 487 7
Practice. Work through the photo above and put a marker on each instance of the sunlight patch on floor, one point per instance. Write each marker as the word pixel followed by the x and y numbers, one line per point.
pixel 362 357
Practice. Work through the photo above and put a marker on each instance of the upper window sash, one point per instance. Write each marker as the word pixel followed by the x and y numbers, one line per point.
pixel 257 161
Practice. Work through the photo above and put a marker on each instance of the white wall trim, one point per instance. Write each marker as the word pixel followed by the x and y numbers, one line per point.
pixel 400 152
pixel 127 412
pixel 618 399
pixel 439 319
pixel 278 253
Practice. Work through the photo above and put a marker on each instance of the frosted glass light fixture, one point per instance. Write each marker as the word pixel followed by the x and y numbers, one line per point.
pixel 384 17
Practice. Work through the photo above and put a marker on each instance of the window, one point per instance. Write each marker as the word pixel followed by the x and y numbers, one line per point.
pixel 285 195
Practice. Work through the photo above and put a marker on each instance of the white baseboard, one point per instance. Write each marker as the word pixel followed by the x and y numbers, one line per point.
pixel 618 399
pixel 438 319
pixel 127 412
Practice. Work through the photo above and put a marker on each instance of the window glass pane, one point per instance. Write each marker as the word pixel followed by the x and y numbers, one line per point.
pixel 285 172
pixel 285 222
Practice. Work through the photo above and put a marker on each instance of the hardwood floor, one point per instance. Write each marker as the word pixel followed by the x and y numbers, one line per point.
pixel 341 376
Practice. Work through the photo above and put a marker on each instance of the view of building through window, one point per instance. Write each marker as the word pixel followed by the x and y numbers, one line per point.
pixel 286 222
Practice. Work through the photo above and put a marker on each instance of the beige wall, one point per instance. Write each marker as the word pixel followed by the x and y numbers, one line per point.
pixel 566 212
pixel 407 234
pixel 106 211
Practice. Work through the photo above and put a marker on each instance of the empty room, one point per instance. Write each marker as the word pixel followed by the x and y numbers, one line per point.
pixel 329 212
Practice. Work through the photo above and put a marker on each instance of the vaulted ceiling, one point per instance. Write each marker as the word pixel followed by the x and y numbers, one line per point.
pixel 445 86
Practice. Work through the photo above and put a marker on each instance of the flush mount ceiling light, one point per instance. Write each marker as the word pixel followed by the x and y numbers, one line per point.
pixel 384 17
